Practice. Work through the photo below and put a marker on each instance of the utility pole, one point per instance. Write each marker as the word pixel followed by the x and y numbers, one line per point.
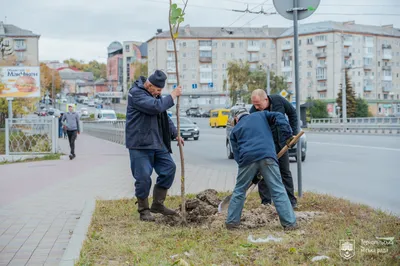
pixel 344 100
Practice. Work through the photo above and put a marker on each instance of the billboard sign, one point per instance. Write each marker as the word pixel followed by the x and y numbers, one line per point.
pixel 19 82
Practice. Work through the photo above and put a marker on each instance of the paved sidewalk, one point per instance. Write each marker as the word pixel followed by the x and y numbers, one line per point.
pixel 41 202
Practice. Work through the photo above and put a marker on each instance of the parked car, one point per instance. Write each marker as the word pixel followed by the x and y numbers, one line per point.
pixel 230 125
pixel 91 104
pixel 193 112
pixel 105 115
pixel 188 128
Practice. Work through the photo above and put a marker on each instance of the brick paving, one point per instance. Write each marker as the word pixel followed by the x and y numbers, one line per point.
pixel 42 202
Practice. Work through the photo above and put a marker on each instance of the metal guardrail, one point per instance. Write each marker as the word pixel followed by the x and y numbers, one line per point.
pixel 364 125
pixel 113 131
pixel 31 135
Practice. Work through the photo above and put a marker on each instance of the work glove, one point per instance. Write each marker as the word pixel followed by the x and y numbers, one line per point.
pixel 257 178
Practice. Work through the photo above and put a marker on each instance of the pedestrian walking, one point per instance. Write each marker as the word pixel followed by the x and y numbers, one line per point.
pixel 276 103
pixel 60 126
pixel 149 132
pixel 71 120
pixel 254 151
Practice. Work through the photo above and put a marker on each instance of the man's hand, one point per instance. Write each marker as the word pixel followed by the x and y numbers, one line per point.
pixel 288 141
pixel 176 92
pixel 180 139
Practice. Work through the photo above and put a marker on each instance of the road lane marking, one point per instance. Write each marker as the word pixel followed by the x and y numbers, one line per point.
pixel 354 146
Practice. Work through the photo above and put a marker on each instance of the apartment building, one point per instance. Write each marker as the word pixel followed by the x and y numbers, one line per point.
pixel 115 66
pixel 371 54
pixel 204 54
pixel 18 45
pixel 132 52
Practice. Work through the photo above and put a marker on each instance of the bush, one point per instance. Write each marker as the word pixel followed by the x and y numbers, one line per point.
pixel 121 116
pixel 2 142
pixel 20 142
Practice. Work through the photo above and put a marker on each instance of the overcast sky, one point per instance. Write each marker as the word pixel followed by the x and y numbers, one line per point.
pixel 83 29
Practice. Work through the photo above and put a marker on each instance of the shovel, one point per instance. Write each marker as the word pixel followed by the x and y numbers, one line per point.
pixel 223 205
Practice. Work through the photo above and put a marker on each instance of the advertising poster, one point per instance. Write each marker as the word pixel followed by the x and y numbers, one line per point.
pixel 19 82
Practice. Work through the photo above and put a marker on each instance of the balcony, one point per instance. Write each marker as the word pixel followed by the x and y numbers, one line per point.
pixel 170 48
pixel 286 68
pixel 368 44
pixel 205 69
pixel 368 87
pixel 387 88
pixel 286 46
pixel 288 79
pixel 253 59
pixel 367 66
pixel 205 47
pixel 367 55
pixel 387 55
pixel 321 65
pixel 322 88
pixel 253 48
pixel 347 54
pixel 389 68
pixel 321 54
pixel 19 47
pixel 172 80
pixel 386 46
pixel 287 58
pixel 387 78
pixel 348 42
pixel 205 80
pixel 321 77
pixel 205 59
pixel 321 43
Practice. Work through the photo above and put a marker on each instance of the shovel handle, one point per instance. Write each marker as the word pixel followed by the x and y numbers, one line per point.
pixel 291 144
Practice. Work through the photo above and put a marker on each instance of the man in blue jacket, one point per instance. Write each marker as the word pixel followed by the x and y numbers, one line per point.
pixel 149 131
pixel 254 151
pixel 276 103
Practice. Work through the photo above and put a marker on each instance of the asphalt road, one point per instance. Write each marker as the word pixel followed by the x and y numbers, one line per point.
pixel 361 168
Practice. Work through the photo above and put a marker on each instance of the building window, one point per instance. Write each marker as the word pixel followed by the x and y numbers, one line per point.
pixel 320 38
pixel 272 45
pixel 232 45
pixel 309 52
pixel 309 41
pixel 264 44
pixel 240 44
pixel 223 44
pixel 224 66
pixel 205 53
pixel 215 44
pixel 253 43
pixel 127 48
pixel 309 63
pixel 308 74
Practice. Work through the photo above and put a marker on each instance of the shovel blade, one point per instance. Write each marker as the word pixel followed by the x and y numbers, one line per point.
pixel 224 204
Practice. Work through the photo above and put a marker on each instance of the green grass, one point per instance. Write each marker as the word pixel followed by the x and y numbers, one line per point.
pixel 117 237
pixel 48 157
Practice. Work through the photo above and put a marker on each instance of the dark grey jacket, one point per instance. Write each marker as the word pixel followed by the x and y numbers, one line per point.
pixel 281 105
pixel 147 124
pixel 71 120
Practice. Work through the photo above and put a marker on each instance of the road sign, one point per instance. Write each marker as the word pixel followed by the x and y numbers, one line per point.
pixel 307 8
pixel 284 93
pixel 210 84
pixel 194 86
pixel 174 86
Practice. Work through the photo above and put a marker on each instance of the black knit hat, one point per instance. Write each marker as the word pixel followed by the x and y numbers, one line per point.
pixel 158 79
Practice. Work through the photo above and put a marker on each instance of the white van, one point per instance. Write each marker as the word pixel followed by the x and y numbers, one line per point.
pixel 105 115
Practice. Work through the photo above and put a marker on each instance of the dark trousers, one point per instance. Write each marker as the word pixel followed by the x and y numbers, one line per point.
pixel 142 164
pixel 72 137
pixel 287 180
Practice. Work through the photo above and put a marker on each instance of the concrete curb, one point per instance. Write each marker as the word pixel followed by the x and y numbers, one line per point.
pixel 71 254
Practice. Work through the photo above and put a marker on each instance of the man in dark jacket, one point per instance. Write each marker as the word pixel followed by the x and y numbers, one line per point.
pixel 276 103
pixel 149 131
pixel 254 151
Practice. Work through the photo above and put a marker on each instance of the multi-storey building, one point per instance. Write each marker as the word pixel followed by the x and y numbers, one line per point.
pixel 370 53
pixel 18 46
pixel 132 52
pixel 115 66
